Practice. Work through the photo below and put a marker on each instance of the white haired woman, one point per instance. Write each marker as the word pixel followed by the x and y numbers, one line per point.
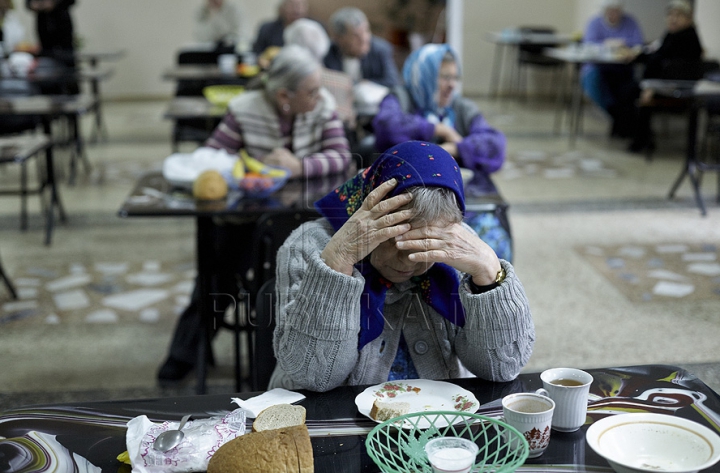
pixel 310 35
pixel 290 122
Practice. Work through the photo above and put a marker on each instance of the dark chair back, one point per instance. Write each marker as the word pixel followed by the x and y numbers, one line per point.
pixel 271 231
pixel 263 353
pixel 532 52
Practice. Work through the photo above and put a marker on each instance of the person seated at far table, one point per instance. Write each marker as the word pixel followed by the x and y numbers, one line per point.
pixel 429 108
pixel 290 122
pixel 310 35
pixel 367 59
pixel 390 284
pixel 218 21
pixel 271 33
pixel 612 86
pixel 678 56
pixel 12 32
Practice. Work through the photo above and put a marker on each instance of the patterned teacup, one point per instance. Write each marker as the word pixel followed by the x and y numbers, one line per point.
pixel 531 414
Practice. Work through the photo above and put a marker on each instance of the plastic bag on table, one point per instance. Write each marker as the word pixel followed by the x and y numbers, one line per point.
pixel 202 439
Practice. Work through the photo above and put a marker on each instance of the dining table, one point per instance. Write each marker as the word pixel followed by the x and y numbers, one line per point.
pixel 512 38
pixel 90 436
pixel 196 108
pixel 576 56
pixel 49 108
pixel 154 197
pixel 20 149
pixel 93 57
pixel 210 73
pixel 700 93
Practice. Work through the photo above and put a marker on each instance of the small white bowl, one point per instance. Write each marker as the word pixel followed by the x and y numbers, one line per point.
pixel 638 443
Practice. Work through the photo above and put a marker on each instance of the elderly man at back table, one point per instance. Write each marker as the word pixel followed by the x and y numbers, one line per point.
pixel 357 52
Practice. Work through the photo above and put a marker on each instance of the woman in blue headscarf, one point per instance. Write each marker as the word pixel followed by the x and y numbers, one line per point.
pixel 390 284
pixel 428 108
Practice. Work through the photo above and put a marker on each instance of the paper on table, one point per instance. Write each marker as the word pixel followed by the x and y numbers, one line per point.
pixel 254 405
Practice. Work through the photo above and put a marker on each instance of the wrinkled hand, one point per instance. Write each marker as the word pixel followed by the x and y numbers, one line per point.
pixel 455 246
pixel 447 133
pixel 376 221
pixel 283 157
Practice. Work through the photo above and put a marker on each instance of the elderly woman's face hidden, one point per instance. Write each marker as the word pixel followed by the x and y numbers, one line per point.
pixel 393 264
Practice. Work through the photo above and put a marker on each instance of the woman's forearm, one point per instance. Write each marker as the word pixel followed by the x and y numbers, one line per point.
pixel 498 336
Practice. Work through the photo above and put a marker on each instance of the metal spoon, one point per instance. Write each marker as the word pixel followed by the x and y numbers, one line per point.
pixel 170 438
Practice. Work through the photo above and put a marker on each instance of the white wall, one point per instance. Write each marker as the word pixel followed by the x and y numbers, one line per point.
pixel 707 18
pixel 151 31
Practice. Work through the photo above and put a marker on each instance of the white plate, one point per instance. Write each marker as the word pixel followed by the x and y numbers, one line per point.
pixel 422 395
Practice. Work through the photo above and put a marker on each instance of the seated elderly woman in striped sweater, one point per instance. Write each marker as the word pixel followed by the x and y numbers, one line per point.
pixel 291 122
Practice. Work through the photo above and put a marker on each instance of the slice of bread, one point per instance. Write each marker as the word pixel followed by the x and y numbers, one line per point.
pixel 278 417
pixel 272 451
pixel 384 410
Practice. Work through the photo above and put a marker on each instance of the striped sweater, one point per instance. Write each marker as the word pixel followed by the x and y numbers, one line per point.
pixel 317 137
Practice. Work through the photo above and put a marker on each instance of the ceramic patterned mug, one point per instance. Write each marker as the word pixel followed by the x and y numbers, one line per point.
pixel 569 388
pixel 531 414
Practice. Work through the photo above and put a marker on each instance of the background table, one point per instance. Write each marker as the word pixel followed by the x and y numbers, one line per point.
pixel 48 108
pixel 96 431
pixel 19 150
pixel 512 39
pixel 93 58
pixel 576 57
pixel 693 167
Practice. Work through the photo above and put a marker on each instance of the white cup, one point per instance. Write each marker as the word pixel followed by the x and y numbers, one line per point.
pixel 569 388
pixel 451 454
pixel 531 414
pixel 227 63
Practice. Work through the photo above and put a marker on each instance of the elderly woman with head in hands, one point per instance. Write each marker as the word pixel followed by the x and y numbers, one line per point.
pixel 291 121
pixel 390 284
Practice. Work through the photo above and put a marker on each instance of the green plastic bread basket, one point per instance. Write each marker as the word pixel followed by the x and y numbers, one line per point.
pixel 398 445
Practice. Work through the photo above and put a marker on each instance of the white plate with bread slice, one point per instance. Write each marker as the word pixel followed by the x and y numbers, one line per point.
pixel 395 398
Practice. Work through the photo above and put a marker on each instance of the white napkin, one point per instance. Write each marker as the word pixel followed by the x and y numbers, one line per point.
pixel 254 405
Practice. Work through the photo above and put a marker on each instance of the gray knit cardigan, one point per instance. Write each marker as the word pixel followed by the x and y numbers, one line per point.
pixel 318 324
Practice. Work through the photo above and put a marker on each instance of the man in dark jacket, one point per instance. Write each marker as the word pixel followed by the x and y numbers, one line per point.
pixel 55 32
pixel 357 52
pixel 271 32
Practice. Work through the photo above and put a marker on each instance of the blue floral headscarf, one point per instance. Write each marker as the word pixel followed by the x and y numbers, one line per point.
pixel 413 163
pixel 420 74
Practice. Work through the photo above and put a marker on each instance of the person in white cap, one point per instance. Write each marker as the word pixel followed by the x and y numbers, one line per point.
pixel 612 85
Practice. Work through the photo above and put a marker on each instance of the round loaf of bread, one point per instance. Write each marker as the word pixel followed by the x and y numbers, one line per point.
pixel 270 451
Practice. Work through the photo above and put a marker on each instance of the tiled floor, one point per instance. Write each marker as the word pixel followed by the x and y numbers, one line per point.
pixel 575 214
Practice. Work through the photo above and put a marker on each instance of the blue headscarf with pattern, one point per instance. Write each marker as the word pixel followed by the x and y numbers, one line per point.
pixel 420 74
pixel 413 164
